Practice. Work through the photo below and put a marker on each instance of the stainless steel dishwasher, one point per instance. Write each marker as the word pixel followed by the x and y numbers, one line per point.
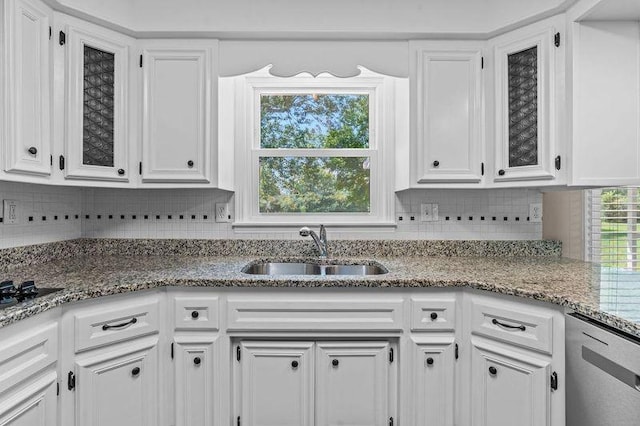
pixel 603 374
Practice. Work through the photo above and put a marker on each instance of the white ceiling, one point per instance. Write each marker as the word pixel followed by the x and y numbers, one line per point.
pixel 313 19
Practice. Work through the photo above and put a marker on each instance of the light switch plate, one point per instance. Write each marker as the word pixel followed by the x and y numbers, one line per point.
pixel 222 212
pixel 428 212
pixel 10 212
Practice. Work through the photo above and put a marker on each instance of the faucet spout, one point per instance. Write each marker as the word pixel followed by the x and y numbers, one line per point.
pixel 321 241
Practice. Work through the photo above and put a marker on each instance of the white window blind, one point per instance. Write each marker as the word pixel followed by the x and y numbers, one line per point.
pixel 613 241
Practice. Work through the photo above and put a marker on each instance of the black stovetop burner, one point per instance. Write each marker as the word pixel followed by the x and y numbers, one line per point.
pixel 11 295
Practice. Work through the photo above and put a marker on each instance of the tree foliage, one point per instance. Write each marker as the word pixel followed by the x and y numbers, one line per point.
pixel 314 184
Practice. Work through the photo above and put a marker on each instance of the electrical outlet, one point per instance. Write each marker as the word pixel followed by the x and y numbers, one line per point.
pixel 222 212
pixel 10 211
pixel 428 212
pixel 535 212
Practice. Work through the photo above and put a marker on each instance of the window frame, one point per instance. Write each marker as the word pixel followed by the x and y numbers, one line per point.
pixel 381 91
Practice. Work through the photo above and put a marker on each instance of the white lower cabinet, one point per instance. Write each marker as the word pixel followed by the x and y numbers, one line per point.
pixel 118 386
pixel 276 383
pixel 315 383
pixel 195 376
pixel 509 387
pixel 433 372
pixel 34 405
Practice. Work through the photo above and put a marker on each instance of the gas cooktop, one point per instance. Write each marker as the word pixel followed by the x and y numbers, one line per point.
pixel 10 295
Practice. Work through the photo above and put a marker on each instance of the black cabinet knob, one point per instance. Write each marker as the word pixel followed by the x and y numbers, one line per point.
pixel 190 163
pixel 33 150
pixel 197 360
pixel 493 371
pixel 121 172
pixel 335 362
pixel 436 163
pixel 195 314
pixel 501 172
pixel 135 371
pixel 294 364
pixel 429 361
pixel 434 316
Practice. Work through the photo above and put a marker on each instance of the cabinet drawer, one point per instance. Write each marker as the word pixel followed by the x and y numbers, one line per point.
pixel 433 314
pixel 115 323
pixel 517 325
pixel 27 355
pixel 331 314
pixel 196 313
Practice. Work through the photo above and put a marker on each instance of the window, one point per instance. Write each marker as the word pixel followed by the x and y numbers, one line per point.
pixel 613 240
pixel 315 150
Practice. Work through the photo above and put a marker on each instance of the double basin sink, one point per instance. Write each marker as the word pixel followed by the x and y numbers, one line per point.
pixel 308 268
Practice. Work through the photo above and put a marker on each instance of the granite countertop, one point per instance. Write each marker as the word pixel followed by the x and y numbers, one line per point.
pixel 569 283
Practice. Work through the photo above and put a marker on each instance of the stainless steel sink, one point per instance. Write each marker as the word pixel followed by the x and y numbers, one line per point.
pixel 303 268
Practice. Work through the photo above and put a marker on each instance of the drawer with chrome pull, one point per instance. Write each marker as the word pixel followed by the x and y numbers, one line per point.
pixel 115 322
pixel 515 323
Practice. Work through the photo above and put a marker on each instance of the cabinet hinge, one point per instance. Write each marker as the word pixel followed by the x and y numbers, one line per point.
pixel 238 421
pixel 140 168
pixel 61 162
pixel 390 354
pixel 556 39
pixel 390 421
pixel 171 350
pixel 558 162
pixel 140 61
pixel 71 380
pixel 482 62
pixel 457 352
pixel 238 356
pixel 554 381
pixel 62 38
pixel 51 160
pixel 481 169
pixel 58 388
pixel 50 33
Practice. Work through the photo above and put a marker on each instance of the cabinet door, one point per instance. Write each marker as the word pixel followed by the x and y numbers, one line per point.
pixel 27 131
pixel 177 113
pixel 509 387
pixel 32 405
pixel 194 381
pixel 117 385
pixel 277 384
pixel 526 103
pixel 448 125
pixel 434 376
pixel 352 384
pixel 97 66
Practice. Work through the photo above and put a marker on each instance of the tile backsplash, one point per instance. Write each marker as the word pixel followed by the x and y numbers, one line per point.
pixel 50 213
pixel 45 214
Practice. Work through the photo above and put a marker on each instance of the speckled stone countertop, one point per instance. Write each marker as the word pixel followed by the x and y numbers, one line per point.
pixel 547 278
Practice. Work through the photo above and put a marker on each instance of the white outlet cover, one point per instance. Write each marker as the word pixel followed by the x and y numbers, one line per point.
pixel 428 212
pixel 222 212
pixel 535 212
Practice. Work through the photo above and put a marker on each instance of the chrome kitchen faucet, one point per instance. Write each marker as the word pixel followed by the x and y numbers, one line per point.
pixel 321 242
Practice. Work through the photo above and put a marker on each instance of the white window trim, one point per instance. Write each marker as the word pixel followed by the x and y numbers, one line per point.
pixel 381 90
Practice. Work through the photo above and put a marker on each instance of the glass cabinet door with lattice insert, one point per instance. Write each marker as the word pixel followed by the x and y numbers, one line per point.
pixel 527 62
pixel 96 96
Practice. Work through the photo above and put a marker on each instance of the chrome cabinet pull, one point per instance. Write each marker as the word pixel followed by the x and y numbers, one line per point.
pixel 501 324
pixel 124 324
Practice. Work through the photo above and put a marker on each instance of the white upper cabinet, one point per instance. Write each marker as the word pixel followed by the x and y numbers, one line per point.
pixel 178 111
pixel 96 102
pixel 528 102
pixel 26 89
pixel 447 118
pixel 604 72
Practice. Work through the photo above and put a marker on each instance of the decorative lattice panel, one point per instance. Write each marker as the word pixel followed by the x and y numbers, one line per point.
pixel 98 110
pixel 523 108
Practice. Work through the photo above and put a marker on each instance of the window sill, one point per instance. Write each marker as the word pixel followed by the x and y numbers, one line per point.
pixel 294 225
